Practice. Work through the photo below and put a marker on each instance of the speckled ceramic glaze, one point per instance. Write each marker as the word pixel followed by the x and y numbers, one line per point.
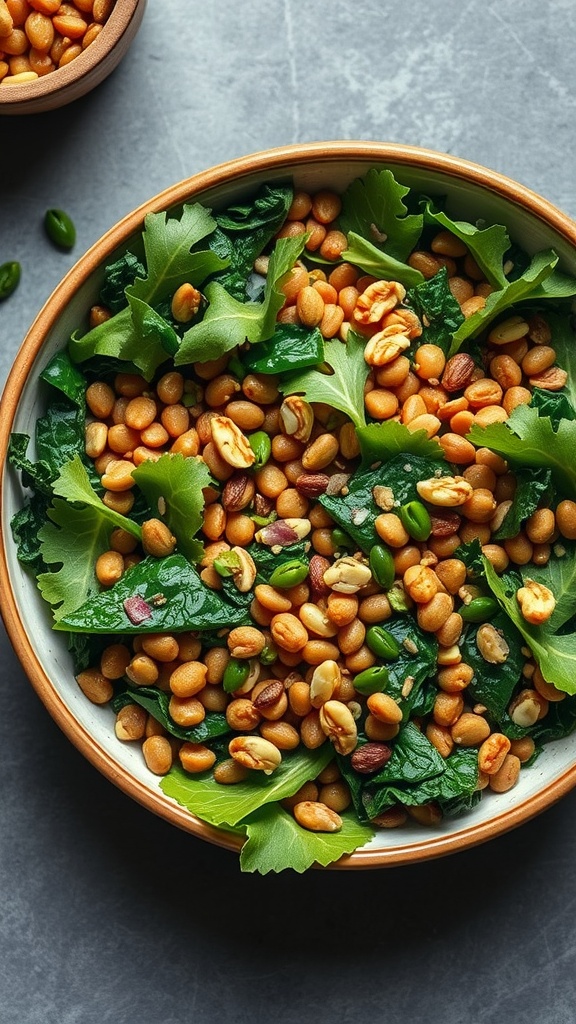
pixel 473 191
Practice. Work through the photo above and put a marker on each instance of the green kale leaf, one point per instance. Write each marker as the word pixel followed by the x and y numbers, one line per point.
pixel 244 230
pixel 437 309
pixel 291 347
pixel 179 482
pixel 156 702
pixel 372 207
pixel 276 842
pixel 529 439
pixel 228 323
pixel 494 685
pixel 230 805
pixel 343 387
pixel 138 333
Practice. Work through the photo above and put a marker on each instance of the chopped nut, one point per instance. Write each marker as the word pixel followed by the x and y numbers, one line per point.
pixel 325 679
pixel 447 491
pixel 245 576
pixel 383 498
pixel 511 329
pixel 337 722
pixel 297 417
pixel 269 695
pixel 378 299
pixel 370 757
pixel 255 752
pixel 231 443
pixel 347 576
pixel 238 492
pixel 536 602
pixel 312 485
pixel 492 645
pixel 385 346
pixel 457 372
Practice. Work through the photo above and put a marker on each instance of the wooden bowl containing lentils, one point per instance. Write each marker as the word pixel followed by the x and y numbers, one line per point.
pixel 289 505
pixel 52 53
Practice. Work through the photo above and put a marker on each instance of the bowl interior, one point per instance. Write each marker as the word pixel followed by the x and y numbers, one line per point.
pixel 471 193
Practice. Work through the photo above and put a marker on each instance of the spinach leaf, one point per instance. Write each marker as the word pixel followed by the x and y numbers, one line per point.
pixel 533 486
pixel 554 404
pixel 494 685
pixel 356 512
pixel 62 374
pixel 243 232
pixel 189 603
pixel 156 703
pixel 267 560
pixel 290 348
pixel 117 277
pixel 437 309
pixel 417 659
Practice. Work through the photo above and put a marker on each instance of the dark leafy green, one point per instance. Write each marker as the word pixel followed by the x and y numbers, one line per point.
pixel 533 487
pixel 189 604
pixel 437 309
pixel 494 685
pixel 156 703
pixel 356 512
pixel 117 277
pixel 290 348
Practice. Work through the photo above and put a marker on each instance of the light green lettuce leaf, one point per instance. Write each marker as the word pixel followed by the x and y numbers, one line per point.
pixel 276 842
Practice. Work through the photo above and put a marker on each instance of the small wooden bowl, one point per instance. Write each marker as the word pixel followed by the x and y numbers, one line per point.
pixel 82 74
pixel 472 191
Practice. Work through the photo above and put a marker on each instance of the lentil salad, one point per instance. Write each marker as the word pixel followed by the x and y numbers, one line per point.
pixel 332 588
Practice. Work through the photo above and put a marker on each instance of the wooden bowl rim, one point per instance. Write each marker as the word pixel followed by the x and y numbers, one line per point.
pixel 91 58
pixel 232 171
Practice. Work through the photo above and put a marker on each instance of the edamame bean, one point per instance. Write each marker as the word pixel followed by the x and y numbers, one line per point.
pixel 479 610
pixel 9 278
pixel 235 674
pixel 382 643
pixel 60 228
pixel 290 574
pixel 372 680
pixel 261 446
pixel 382 566
pixel 415 519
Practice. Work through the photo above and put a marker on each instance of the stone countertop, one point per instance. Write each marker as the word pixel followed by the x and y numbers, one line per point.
pixel 108 914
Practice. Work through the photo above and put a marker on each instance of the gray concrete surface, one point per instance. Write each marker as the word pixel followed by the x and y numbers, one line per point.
pixel 108 914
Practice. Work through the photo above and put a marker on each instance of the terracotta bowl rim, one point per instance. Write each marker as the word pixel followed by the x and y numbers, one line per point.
pixel 295 156
pixel 99 51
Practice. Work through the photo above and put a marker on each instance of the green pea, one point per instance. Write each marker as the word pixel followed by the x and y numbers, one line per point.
pixel 382 566
pixel 341 540
pixel 9 278
pixel 382 643
pixel 372 680
pixel 235 674
pixel 261 446
pixel 60 228
pixel 290 574
pixel 415 519
pixel 480 609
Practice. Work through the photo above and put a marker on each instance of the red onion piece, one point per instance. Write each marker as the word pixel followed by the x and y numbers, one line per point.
pixel 137 610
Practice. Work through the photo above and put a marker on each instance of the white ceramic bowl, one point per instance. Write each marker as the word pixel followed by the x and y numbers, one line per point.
pixel 472 192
